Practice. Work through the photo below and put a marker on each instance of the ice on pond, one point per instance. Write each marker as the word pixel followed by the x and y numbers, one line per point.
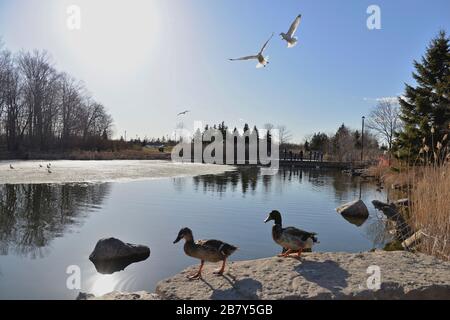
pixel 67 171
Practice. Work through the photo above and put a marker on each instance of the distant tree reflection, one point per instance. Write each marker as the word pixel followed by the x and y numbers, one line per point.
pixel 32 215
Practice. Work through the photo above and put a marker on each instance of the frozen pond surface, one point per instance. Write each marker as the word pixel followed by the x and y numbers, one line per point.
pixel 71 171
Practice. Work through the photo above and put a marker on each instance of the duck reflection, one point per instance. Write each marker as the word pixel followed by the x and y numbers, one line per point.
pixel 32 215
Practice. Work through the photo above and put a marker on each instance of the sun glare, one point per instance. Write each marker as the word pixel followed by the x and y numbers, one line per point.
pixel 114 36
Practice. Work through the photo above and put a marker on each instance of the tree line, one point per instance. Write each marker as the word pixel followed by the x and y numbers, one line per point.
pixel 43 109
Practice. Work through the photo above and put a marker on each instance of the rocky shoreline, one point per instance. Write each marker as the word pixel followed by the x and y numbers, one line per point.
pixel 336 276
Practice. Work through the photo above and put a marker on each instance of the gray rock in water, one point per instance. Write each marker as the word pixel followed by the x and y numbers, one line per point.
pixel 355 208
pixel 114 249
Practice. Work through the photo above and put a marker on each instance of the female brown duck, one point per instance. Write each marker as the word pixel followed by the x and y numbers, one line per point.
pixel 205 250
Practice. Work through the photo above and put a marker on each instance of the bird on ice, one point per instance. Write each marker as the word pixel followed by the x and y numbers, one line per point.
pixel 262 61
pixel 49 165
pixel 183 113
pixel 11 166
pixel 289 36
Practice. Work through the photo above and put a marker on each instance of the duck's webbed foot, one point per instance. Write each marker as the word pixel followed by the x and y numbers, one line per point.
pixel 285 254
pixel 197 275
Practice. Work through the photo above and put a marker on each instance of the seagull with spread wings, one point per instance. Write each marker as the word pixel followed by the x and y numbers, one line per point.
pixel 289 36
pixel 183 113
pixel 262 61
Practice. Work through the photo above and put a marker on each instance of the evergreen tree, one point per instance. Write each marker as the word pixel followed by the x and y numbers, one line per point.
pixel 426 105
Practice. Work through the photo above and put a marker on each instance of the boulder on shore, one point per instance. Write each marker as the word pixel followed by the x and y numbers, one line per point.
pixel 355 208
pixel 115 249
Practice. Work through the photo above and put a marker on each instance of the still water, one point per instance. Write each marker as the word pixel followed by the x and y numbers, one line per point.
pixel 45 228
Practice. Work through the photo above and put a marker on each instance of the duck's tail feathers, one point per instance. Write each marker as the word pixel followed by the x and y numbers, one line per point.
pixel 228 249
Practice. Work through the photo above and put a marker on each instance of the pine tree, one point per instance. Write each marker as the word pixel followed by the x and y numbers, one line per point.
pixel 426 105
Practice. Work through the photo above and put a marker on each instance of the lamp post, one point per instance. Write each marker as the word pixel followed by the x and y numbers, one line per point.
pixel 362 139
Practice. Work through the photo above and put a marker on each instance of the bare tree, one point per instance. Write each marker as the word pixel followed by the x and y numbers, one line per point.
pixel 41 108
pixel 284 134
pixel 384 120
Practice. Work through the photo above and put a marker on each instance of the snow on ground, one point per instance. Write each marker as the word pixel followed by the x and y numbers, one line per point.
pixel 69 171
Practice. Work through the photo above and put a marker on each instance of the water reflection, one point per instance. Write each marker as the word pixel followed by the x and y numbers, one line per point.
pixel 320 181
pixel 114 265
pixel 31 216
pixel 250 179
pixel 230 206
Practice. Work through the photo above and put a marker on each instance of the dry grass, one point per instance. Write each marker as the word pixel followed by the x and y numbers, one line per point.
pixel 427 185
pixel 430 209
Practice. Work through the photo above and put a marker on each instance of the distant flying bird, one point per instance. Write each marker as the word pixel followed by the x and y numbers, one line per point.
pixel 183 113
pixel 11 167
pixel 262 61
pixel 289 36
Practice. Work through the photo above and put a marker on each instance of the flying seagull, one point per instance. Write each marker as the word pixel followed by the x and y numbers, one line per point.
pixel 262 61
pixel 289 36
pixel 183 113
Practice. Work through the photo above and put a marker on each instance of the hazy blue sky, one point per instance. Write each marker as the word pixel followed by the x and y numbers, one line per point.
pixel 148 60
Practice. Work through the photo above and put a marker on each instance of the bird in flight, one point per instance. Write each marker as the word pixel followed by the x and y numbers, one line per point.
pixel 289 36
pixel 183 113
pixel 262 61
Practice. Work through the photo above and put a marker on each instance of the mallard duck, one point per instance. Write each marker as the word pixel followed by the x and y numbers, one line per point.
pixel 290 238
pixel 205 250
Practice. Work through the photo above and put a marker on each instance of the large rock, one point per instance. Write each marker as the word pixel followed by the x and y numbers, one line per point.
pixel 115 249
pixel 355 208
pixel 317 276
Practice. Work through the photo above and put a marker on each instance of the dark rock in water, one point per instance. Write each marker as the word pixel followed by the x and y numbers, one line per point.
pixel 389 210
pixel 85 296
pixel 113 265
pixel 357 221
pixel 111 255
pixel 355 208
pixel 403 229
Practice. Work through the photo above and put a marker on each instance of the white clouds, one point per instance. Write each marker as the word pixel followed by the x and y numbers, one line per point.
pixel 392 100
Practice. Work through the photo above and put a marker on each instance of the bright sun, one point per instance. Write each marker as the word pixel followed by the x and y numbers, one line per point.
pixel 114 36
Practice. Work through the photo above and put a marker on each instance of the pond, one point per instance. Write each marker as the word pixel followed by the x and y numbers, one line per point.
pixel 45 228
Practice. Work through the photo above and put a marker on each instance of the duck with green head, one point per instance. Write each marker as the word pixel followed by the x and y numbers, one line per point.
pixel 290 238
pixel 205 250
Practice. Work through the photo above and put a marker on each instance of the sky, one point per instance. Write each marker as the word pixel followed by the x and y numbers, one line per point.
pixel 147 60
